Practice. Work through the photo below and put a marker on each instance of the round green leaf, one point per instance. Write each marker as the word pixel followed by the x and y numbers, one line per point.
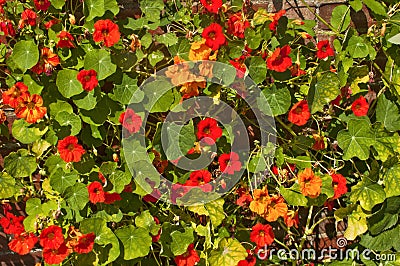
pixel 88 102
pixel 136 241
pixel 229 252
pixel 181 241
pixel 257 69
pixel 70 120
pixel 60 180
pixel 155 57
pixel 27 133
pixel 77 196
pixel 146 221
pixel 357 47
pixel 368 194
pixel 100 60
pixel 119 180
pixel 93 8
pixel 25 55
pixel 216 210
pixel 356 141
pixel 340 19
pixel 34 88
pixel 278 99
pixel 324 90
pixel 7 185
pixel 67 83
pixel 60 106
pixel 387 112
pixel 391 181
pixel 123 93
pixel 20 163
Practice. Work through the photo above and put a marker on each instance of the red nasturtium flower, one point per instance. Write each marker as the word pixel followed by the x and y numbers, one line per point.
pixel 208 131
pixel 12 95
pixel 299 114
pixel 360 106
pixel 48 60
pixel 189 258
pixel 291 219
pixel 244 197
pixel 324 49
pixel 70 150
pixel 23 243
pixel 319 143
pixel 84 243
pixel 339 185
pixel 12 224
pixel 200 178
pixel 88 79
pixel 27 17
pixel 7 27
pixel 130 121
pixel 52 22
pixel 237 24
pixel 30 107
pixel 229 163
pixel 212 6
pixel 250 260
pixel 110 198
pixel 238 63
pixel 280 60
pixel 310 184
pixel 106 31
pixel 156 237
pixel 51 237
pixel 42 4
pixel 262 235
pixel 214 36
pixel 57 255
pixel 96 192
pixel 296 71
pixel 275 19
pixel 66 40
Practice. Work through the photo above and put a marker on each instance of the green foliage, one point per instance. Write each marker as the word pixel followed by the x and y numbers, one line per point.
pixel 138 72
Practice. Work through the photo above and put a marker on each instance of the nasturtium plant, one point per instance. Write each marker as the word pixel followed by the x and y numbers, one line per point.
pixel 206 132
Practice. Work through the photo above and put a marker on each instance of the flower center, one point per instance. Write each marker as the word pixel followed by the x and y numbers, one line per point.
pixel 207 130
pixel 262 233
pixel 16 94
pixel 105 32
pixel 87 78
pixel 298 110
pixel 70 147
pixel 31 105
pixel 50 236
pixel 211 35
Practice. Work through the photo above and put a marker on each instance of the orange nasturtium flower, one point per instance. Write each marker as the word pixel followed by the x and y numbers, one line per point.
pixel 310 184
pixel 270 208
pixel 180 74
pixel 30 108
pixel 200 51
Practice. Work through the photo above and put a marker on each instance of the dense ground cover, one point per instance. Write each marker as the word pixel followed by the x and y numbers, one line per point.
pixel 315 131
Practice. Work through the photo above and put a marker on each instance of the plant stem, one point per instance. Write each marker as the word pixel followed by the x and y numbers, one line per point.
pixel 307 230
pixel 285 126
pixel 320 18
